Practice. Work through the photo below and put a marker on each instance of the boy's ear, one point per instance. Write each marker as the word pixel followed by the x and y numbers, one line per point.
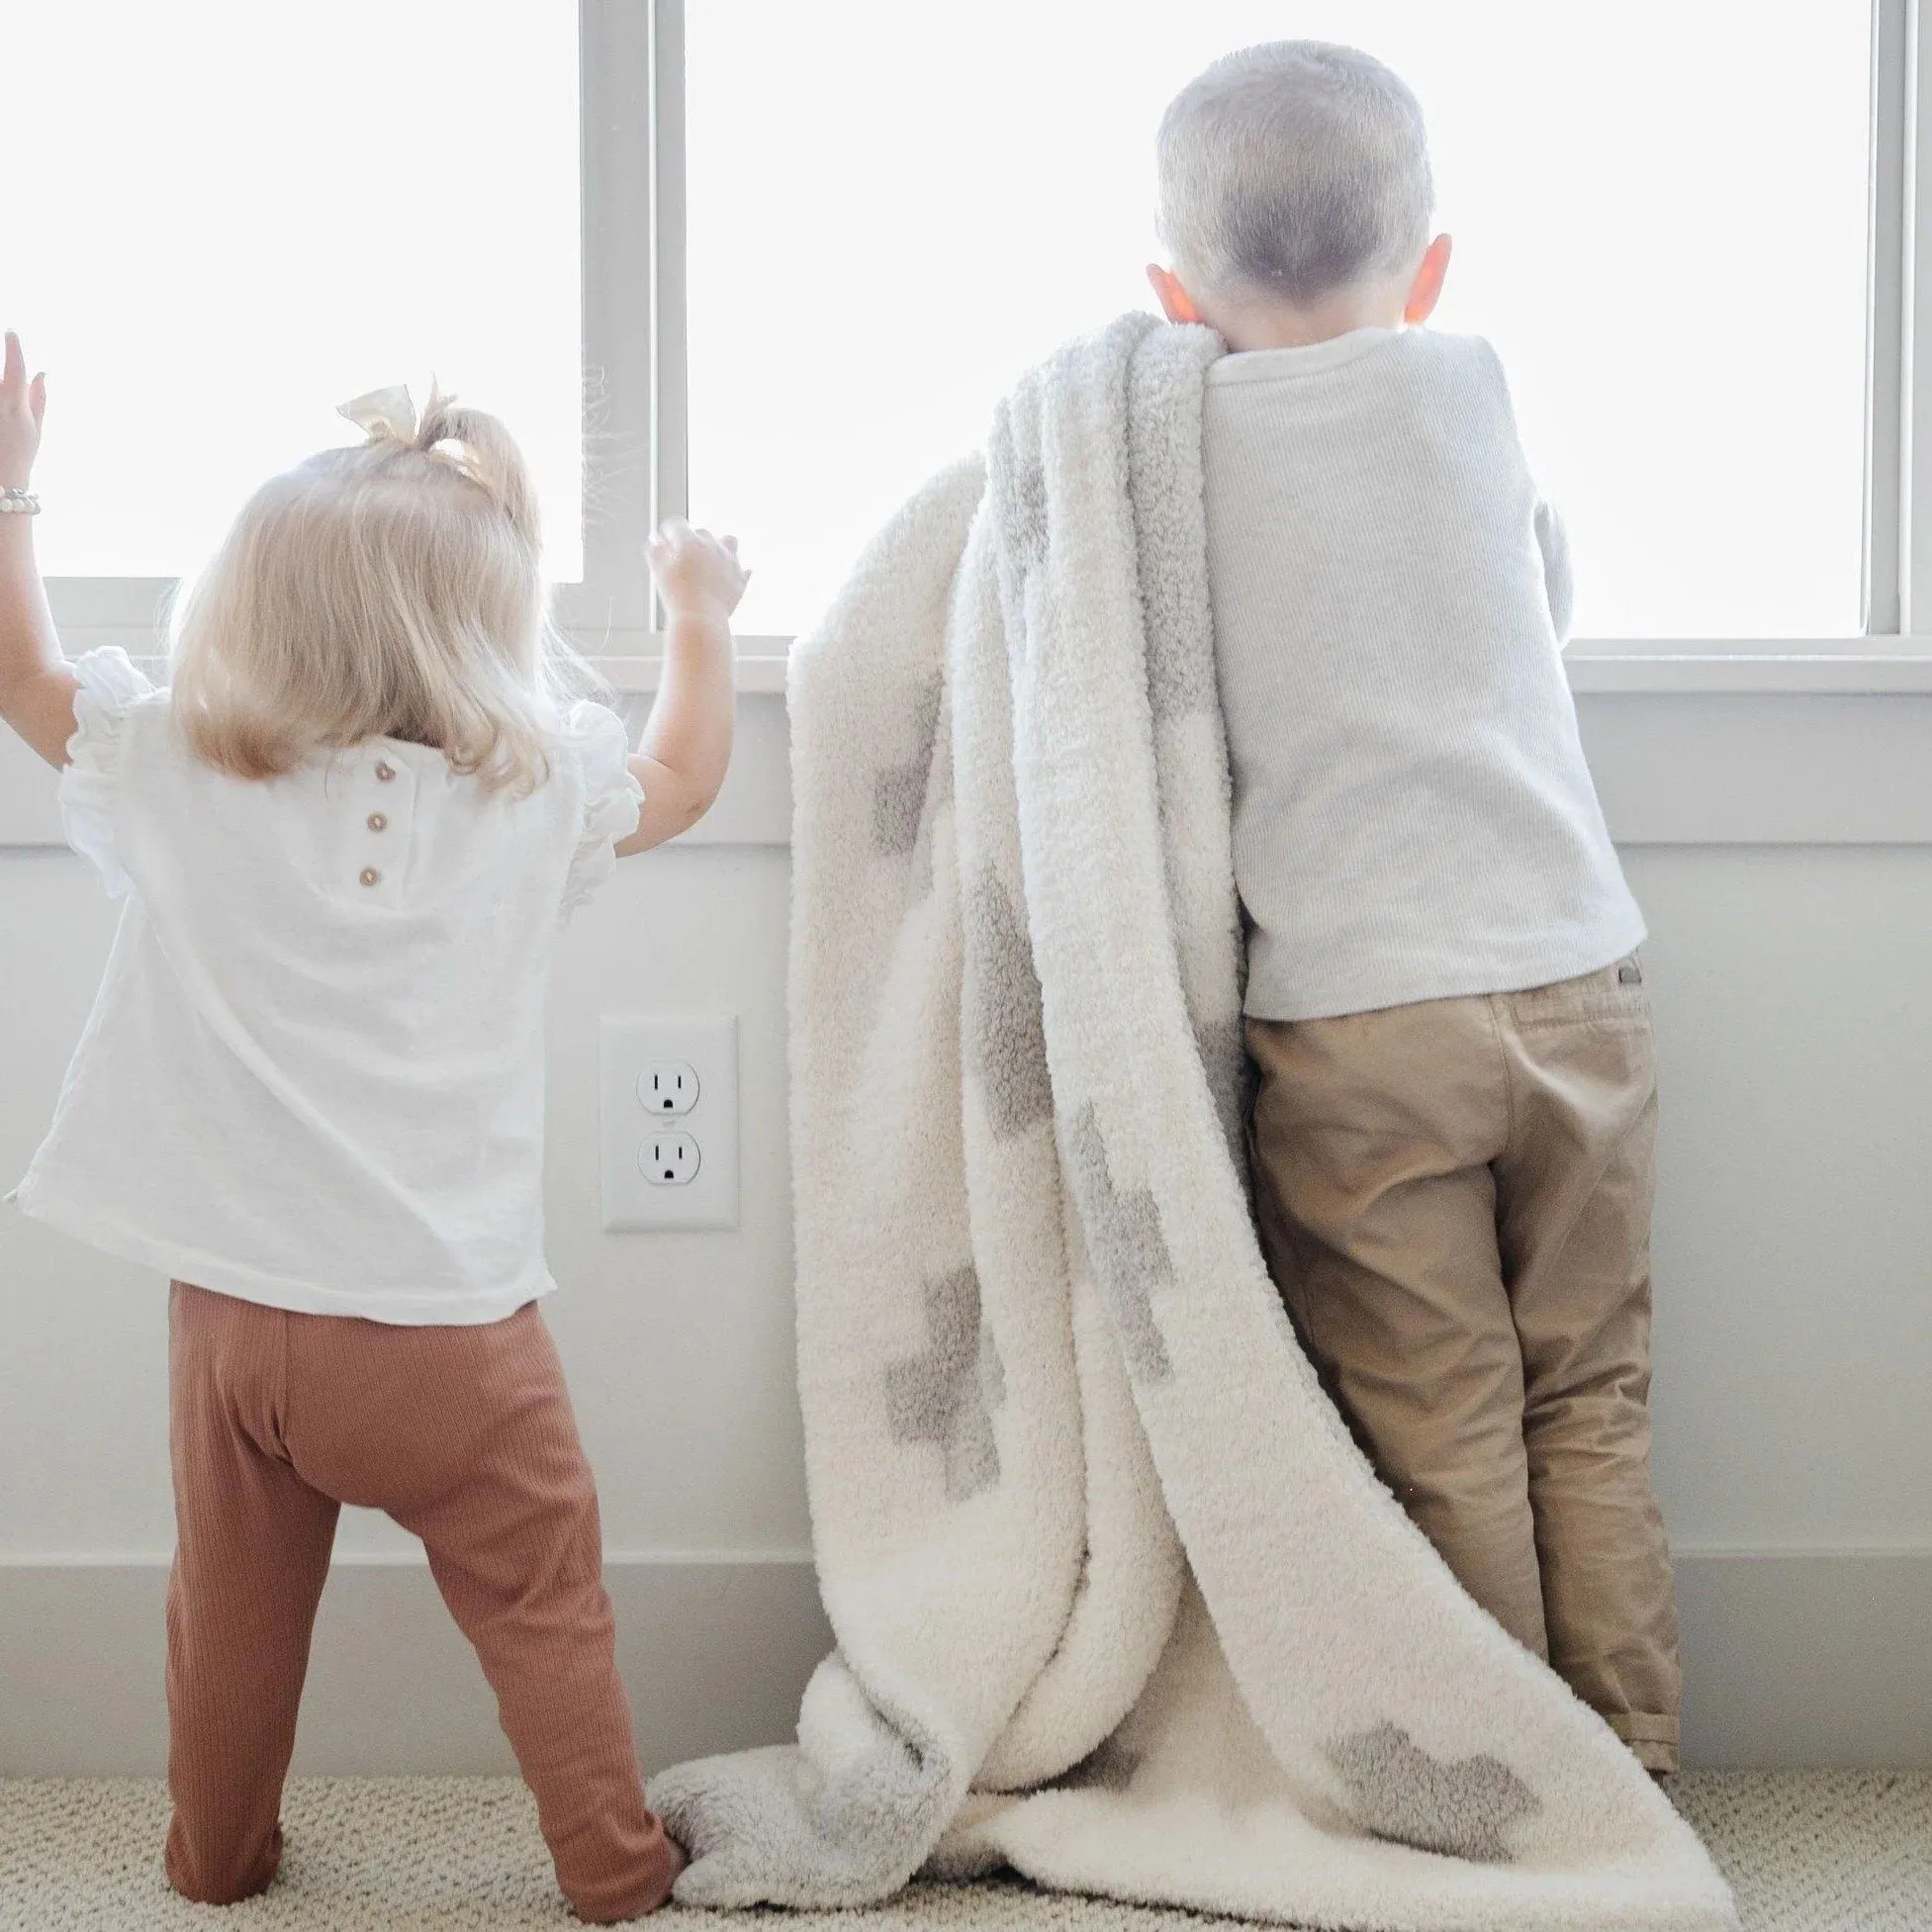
pixel 1427 289
pixel 1176 302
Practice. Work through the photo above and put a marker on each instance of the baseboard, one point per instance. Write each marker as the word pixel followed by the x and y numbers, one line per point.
pixel 714 1655
pixel 1790 1659
pixel 1807 1657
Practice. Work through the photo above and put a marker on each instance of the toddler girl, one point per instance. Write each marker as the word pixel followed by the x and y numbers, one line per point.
pixel 311 1088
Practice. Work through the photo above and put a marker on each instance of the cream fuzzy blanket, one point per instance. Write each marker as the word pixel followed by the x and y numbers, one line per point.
pixel 1118 1601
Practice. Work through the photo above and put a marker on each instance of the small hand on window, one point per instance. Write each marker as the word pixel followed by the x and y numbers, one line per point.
pixel 698 574
pixel 23 404
pixel 687 744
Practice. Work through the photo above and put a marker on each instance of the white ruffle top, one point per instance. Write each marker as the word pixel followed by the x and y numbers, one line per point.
pixel 313 1073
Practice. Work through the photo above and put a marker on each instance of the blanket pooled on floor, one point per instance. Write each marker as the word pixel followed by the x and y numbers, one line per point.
pixel 1117 1601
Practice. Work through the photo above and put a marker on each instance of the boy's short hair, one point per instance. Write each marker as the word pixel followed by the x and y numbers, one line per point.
pixel 1293 169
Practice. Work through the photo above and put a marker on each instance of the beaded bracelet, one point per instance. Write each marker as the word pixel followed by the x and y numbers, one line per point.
pixel 16 501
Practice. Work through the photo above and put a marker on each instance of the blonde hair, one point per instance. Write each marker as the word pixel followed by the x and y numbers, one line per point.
pixel 1292 169
pixel 386 591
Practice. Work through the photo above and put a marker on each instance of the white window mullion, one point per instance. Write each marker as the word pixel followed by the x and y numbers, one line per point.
pixel 761 659
pixel 1889 302
pixel 671 393
pixel 1914 41
pixel 611 611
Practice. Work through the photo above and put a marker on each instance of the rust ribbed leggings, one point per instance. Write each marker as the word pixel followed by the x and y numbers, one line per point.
pixel 465 1436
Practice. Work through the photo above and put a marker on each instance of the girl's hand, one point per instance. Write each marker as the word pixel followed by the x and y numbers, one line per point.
pixel 697 575
pixel 687 744
pixel 22 406
pixel 37 690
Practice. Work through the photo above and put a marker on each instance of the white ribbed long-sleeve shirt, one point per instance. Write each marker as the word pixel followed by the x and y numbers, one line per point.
pixel 1414 818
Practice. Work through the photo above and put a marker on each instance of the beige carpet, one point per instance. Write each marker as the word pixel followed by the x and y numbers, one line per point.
pixel 1807 1851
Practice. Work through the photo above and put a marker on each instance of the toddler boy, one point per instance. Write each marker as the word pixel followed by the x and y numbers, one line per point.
pixel 1453 1138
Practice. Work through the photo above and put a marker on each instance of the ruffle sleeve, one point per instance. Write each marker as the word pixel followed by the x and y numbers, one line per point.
pixel 595 735
pixel 90 784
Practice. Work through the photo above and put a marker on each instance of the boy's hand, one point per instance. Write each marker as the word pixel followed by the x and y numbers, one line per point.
pixel 22 406
pixel 697 575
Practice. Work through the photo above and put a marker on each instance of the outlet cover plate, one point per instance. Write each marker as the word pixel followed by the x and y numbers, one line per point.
pixel 629 1045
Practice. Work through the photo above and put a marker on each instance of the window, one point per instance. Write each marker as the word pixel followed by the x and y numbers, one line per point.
pixel 1660 211
pixel 777 260
pixel 324 199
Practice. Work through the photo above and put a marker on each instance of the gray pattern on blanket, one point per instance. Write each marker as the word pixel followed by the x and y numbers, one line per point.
pixel 1223 1046
pixel 1170 524
pixel 947 1395
pixel 1125 1244
pixel 1459 1806
pixel 900 792
pixel 1029 527
pixel 1017 484
pixel 1006 1037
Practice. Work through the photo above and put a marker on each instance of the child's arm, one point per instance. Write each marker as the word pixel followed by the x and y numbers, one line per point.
pixel 37 690
pixel 688 739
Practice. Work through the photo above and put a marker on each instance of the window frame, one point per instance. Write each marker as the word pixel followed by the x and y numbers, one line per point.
pixel 627 227
pixel 1892 652
pixel 631 58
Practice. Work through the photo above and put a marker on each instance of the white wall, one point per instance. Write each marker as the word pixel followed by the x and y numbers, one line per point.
pixel 1795 1215
pixel 1793 1326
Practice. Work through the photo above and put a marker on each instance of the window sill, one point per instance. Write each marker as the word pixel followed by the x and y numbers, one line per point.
pixel 1858 667
pixel 762 662
pixel 1874 667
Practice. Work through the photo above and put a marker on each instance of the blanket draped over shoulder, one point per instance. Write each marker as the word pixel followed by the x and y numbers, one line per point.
pixel 1118 1601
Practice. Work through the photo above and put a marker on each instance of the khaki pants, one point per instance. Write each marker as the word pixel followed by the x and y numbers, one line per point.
pixel 465 1436
pixel 1454 1198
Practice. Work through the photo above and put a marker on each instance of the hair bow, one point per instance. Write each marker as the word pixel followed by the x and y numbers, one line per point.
pixel 384 415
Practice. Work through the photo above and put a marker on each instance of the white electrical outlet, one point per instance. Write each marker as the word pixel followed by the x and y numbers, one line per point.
pixel 669 1090
pixel 670 1159
pixel 669 1086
